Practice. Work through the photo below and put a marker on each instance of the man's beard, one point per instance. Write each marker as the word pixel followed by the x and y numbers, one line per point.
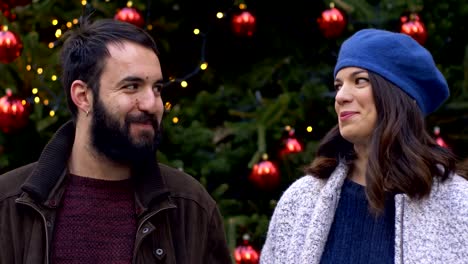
pixel 113 141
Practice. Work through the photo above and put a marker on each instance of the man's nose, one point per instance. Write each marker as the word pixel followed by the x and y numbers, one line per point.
pixel 147 101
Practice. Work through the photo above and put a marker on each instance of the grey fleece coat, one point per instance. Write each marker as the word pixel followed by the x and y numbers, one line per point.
pixel 433 230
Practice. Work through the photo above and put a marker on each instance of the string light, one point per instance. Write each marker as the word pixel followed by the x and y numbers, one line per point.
pixel 309 129
pixel 58 33
pixel 196 31
pixel 39 70
pixel 242 6
pixel 37 99
pixel 168 106
pixel 52 113
pixel 54 77
pixel 175 120
pixel 69 24
pixel 203 66
pixel 35 90
pixel 54 22
pixel 46 101
pixel 129 4
pixel 183 84
pixel 149 27
pixel 51 45
pixel 75 21
pixel 219 15
pixel 23 102
pixel 84 2
pixel 28 67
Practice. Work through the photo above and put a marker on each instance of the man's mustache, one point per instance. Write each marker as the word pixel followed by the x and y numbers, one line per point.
pixel 143 118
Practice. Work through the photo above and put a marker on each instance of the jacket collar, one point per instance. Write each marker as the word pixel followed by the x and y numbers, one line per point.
pixel 44 182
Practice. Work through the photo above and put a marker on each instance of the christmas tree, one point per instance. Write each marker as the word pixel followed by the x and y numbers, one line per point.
pixel 249 89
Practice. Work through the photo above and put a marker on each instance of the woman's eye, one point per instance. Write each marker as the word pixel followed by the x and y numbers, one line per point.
pixel 362 80
pixel 337 86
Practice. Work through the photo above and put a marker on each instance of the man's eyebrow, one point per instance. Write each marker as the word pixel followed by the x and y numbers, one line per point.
pixel 130 79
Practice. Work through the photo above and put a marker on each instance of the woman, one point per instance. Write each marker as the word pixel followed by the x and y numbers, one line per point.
pixel 380 190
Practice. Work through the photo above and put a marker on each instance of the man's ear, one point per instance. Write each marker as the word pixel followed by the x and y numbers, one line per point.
pixel 81 96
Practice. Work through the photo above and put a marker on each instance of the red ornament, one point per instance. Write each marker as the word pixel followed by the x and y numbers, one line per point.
pixel 332 23
pixel 413 27
pixel 438 138
pixel 291 144
pixel 10 46
pixel 244 24
pixel 265 174
pixel 14 113
pixel 245 253
pixel 130 15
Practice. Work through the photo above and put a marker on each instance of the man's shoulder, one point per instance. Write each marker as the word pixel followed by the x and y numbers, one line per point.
pixel 183 186
pixel 11 182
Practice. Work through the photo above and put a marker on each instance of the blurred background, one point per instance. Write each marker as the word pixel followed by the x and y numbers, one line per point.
pixel 249 86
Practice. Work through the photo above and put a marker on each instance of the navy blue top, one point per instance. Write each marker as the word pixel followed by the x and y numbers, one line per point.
pixel 357 236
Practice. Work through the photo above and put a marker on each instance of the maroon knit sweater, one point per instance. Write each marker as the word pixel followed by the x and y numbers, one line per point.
pixel 96 222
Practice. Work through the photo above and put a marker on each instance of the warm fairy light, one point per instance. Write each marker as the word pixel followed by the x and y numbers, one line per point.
pixel 37 99
pixel 53 77
pixel 23 102
pixel 287 128
pixel 196 31
pixel 175 120
pixel 35 90
pixel 46 101
pixel 58 33
pixel 54 22
pixel 242 6
pixel 75 21
pixel 149 27
pixel 28 67
pixel 309 129
pixel 219 15
pixel 51 45
pixel 83 2
pixel 184 84
pixel 52 113
pixel 5 28
pixel 171 78
pixel 39 70
pixel 203 66
pixel 129 4
pixel 332 5
pixel 69 24
pixel 168 106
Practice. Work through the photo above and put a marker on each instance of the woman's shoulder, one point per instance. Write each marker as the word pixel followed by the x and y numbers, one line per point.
pixel 452 192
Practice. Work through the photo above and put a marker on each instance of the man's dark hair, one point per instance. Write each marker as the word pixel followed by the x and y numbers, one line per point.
pixel 86 48
pixel 403 157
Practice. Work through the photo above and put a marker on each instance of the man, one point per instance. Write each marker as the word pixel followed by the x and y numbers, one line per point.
pixel 96 194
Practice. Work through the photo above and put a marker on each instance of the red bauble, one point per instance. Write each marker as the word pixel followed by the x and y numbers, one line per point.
pixel 13 114
pixel 10 46
pixel 413 27
pixel 438 138
pixel 265 175
pixel 291 144
pixel 332 23
pixel 244 24
pixel 130 15
pixel 246 254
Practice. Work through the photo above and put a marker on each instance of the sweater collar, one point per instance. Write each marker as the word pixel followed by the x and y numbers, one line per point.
pixel 51 169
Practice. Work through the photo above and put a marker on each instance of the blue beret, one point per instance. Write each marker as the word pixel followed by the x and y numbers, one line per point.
pixel 399 59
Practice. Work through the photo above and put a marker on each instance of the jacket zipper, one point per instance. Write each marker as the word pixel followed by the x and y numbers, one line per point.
pixel 143 221
pixel 401 231
pixel 45 226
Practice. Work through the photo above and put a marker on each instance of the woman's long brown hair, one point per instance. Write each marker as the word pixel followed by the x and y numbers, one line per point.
pixel 403 157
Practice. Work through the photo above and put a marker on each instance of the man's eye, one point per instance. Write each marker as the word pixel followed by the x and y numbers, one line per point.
pixel 158 88
pixel 131 86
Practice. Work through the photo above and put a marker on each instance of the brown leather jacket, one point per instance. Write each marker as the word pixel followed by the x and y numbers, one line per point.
pixel 178 221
